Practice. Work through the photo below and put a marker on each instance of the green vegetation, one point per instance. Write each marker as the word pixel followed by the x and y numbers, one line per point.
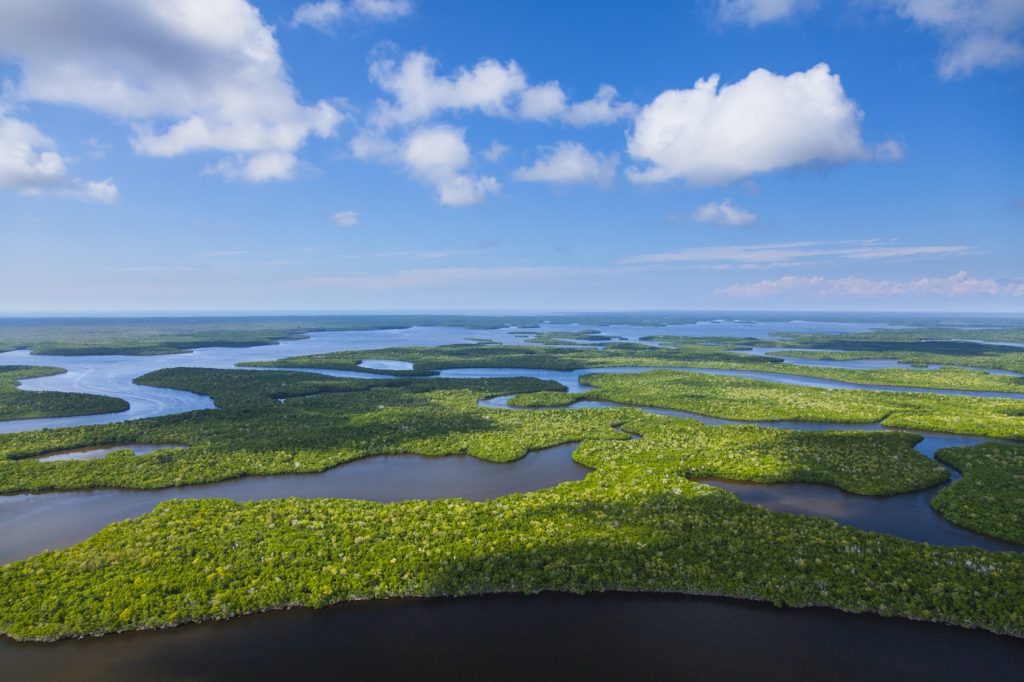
pixel 990 496
pixel 18 404
pixel 571 338
pixel 679 352
pixel 754 400
pixel 545 399
pixel 635 523
pixel 641 520
pixel 914 347
pixel 430 359
pixel 158 335
pixel 956 378
pixel 338 420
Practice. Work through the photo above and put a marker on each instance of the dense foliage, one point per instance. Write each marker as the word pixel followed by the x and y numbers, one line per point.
pixel 570 337
pixel 949 377
pixel 19 404
pixel 429 359
pixel 916 347
pixel 640 521
pixel 990 496
pixel 545 399
pixel 754 400
pixel 636 523
pixel 255 434
pixel 710 353
pixel 157 335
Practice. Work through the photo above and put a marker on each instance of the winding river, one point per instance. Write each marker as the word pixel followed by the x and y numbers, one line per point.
pixel 685 636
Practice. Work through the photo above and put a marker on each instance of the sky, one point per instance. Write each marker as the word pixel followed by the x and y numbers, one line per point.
pixel 416 155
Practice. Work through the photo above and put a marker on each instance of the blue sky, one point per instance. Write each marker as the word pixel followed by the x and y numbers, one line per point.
pixel 392 155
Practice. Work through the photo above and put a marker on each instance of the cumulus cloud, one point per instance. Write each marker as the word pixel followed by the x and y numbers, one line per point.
pixel 327 14
pixel 548 101
pixel 496 151
pixel 419 92
pixel 568 163
pixel 713 135
pixel 31 165
pixel 977 33
pixel 345 218
pixel 491 87
pixel 189 76
pixel 722 213
pixel 439 155
pixel 890 150
pixel 757 256
pixel 959 284
pixel 756 12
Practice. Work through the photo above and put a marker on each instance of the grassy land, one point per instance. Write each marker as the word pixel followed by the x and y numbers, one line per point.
pixel 1008 361
pixel 431 359
pixel 18 404
pixel 915 347
pixel 753 400
pixel 327 421
pixel 990 496
pixel 571 338
pixel 254 434
pixel 956 378
pixel 545 399
pixel 158 335
pixel 636 523
pixel 680 352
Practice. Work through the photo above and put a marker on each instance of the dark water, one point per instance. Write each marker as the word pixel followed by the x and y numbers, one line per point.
pixel 909 515
pixel 32 523
pixel 544 637
pixel 594 637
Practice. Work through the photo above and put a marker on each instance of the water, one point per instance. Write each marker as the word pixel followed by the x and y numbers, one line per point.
pixel 113 375
pixel 60 519
pixel 909 515
pixel 388 365
pixel 598 637
pixel 863 363
pixel 31 523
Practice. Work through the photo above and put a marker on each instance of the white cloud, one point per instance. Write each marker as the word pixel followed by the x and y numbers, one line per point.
pixel 319 15
pixel 756 256
pixel 722 213
pixel 438 155
pixel 196 75
pixel 570 162
pixel 491 87
pixel 382 10
pixel 495 152
pixel 345 218
pixel 977 33
pixel 419 92
pixel 890 150
pixel 328 13
pixel 31 165
pixel 548 101
pixel 765 122
pixel 755 12
pixel 956 285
